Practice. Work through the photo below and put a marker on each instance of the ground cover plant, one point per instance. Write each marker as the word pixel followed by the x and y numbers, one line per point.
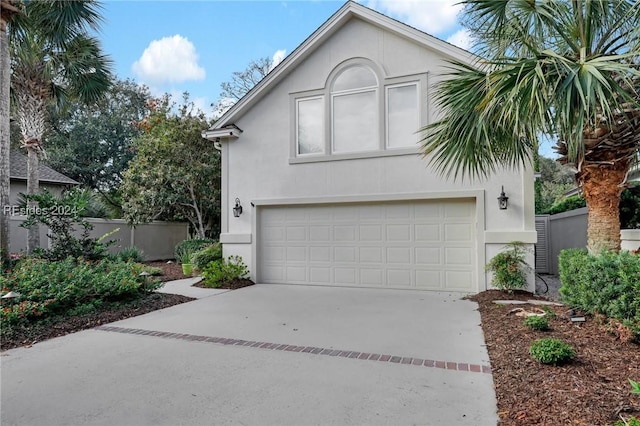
pixel 592 389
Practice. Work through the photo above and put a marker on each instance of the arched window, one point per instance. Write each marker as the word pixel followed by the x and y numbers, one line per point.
pixel 355 110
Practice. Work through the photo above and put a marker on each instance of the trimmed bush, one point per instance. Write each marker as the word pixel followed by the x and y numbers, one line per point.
pixel 551 351
pixel 509 267
pixel 49 288
pixel 607 284
pixel 207 255
pixel 222 271
pixel 537 323
pixel 570 203
pixel 191 246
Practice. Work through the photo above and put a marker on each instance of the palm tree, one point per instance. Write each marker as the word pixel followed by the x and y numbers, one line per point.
pixel 8 9
pixel 54 61
pixel 567 69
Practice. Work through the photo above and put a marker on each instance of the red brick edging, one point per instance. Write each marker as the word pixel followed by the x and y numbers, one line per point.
pixel 447 365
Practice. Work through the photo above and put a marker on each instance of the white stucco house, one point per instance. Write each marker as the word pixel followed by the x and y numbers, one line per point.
pixel 322 156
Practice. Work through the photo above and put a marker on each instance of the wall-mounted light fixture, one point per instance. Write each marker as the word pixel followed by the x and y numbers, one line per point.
pixel 503 200
pixel 237 209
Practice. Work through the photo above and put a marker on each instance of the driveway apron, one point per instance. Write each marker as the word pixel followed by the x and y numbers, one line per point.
pixel 264 355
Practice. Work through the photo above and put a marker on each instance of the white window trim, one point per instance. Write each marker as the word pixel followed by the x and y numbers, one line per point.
pixel 415 83
pixel 296 128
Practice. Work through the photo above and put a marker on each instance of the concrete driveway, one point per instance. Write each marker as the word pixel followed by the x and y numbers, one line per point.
pixel 264 355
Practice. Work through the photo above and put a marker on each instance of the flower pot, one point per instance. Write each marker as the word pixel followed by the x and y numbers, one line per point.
pixel 187 269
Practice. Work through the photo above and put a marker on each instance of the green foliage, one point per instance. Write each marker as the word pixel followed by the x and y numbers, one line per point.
pixel 131 254
pixel 153 270
pixel 187 248
pixel 537 323
pixel 551 351
pixel 630 207
pixel 509 267
pixel 607 283
pixel 633 421
pixel 221 271
pixel 570 203
pixel 554 181
pixel 635 387
pixel 175 174
pixel 69 286
pixel 93 144
pixel 62 215
pixel 207 255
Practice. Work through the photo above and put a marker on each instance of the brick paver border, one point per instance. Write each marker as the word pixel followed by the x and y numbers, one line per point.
pixel 447 365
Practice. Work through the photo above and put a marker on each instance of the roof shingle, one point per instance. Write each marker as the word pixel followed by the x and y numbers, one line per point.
pixel 18 170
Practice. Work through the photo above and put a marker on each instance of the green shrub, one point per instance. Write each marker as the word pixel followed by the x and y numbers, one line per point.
pixel 131 254
pixel 49 288
pixel 570 203
pixel 551 351
pixel 153 270
pixel 607 284
pixel 207 255
pixel 633 421
pixel 190 246
pixel 509 267
pixel 221 271
pixel 538 323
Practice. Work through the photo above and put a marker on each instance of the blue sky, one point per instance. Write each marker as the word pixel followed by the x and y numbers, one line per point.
pixel 194 46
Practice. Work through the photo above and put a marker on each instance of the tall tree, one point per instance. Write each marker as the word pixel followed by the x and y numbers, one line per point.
pixel 93 144
pixel 8 9
pixel 241 82
pixel 568 69
pixel 54 61
pixel 175 174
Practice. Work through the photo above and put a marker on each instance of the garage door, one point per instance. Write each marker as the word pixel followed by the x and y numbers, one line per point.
pixel 419 245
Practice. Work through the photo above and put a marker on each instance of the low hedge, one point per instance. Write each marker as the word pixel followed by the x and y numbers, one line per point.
pixel 59 287
pixel 607 284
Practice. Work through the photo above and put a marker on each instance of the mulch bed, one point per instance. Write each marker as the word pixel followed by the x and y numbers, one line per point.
pixel 56 327
pixel 173 271
pixel 591 390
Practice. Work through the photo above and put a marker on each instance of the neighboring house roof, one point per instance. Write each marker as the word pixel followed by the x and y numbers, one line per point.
pixel 18 171
pixel 331 26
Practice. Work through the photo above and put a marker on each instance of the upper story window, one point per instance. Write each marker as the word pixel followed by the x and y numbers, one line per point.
pixel 354 110
pixel 359 113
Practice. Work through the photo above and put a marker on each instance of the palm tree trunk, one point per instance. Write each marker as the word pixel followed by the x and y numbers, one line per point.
pixel 33 187
pixel 5 140
pixel 602 187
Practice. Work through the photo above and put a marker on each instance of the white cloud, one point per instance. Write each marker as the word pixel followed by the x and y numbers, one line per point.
pixel 461 38
pixel 169 60
pixel 432 16
pixel 277 58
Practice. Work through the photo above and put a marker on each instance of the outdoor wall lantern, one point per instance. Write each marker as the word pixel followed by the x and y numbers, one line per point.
pixel 237 210
pixel 503 200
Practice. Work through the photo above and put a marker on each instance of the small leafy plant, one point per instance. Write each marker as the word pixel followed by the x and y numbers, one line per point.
pixel 184 257
pixel 509 267
pixel 551 351
pixel 131 254
pixel 207 255
pixel 537 323
pixel 222 271
pixel 191 246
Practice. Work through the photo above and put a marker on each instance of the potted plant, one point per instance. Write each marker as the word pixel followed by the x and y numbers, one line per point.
pixel 185 259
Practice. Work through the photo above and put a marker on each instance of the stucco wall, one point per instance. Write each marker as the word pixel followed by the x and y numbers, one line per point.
pixel 257 165
pixel 18 187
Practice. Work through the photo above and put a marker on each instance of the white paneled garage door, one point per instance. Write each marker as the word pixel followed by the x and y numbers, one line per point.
pixel 419 244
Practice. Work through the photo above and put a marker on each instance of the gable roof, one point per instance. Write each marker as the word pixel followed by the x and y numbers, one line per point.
pixel 18 170
pixel 347 12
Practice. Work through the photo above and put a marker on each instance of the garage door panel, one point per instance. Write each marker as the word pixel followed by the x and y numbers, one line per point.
pixel 320 254
pixel 344 254
pixel 427 233
pixel 421 244
pixel 398 232
pixel 458 232
pixel 319 233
